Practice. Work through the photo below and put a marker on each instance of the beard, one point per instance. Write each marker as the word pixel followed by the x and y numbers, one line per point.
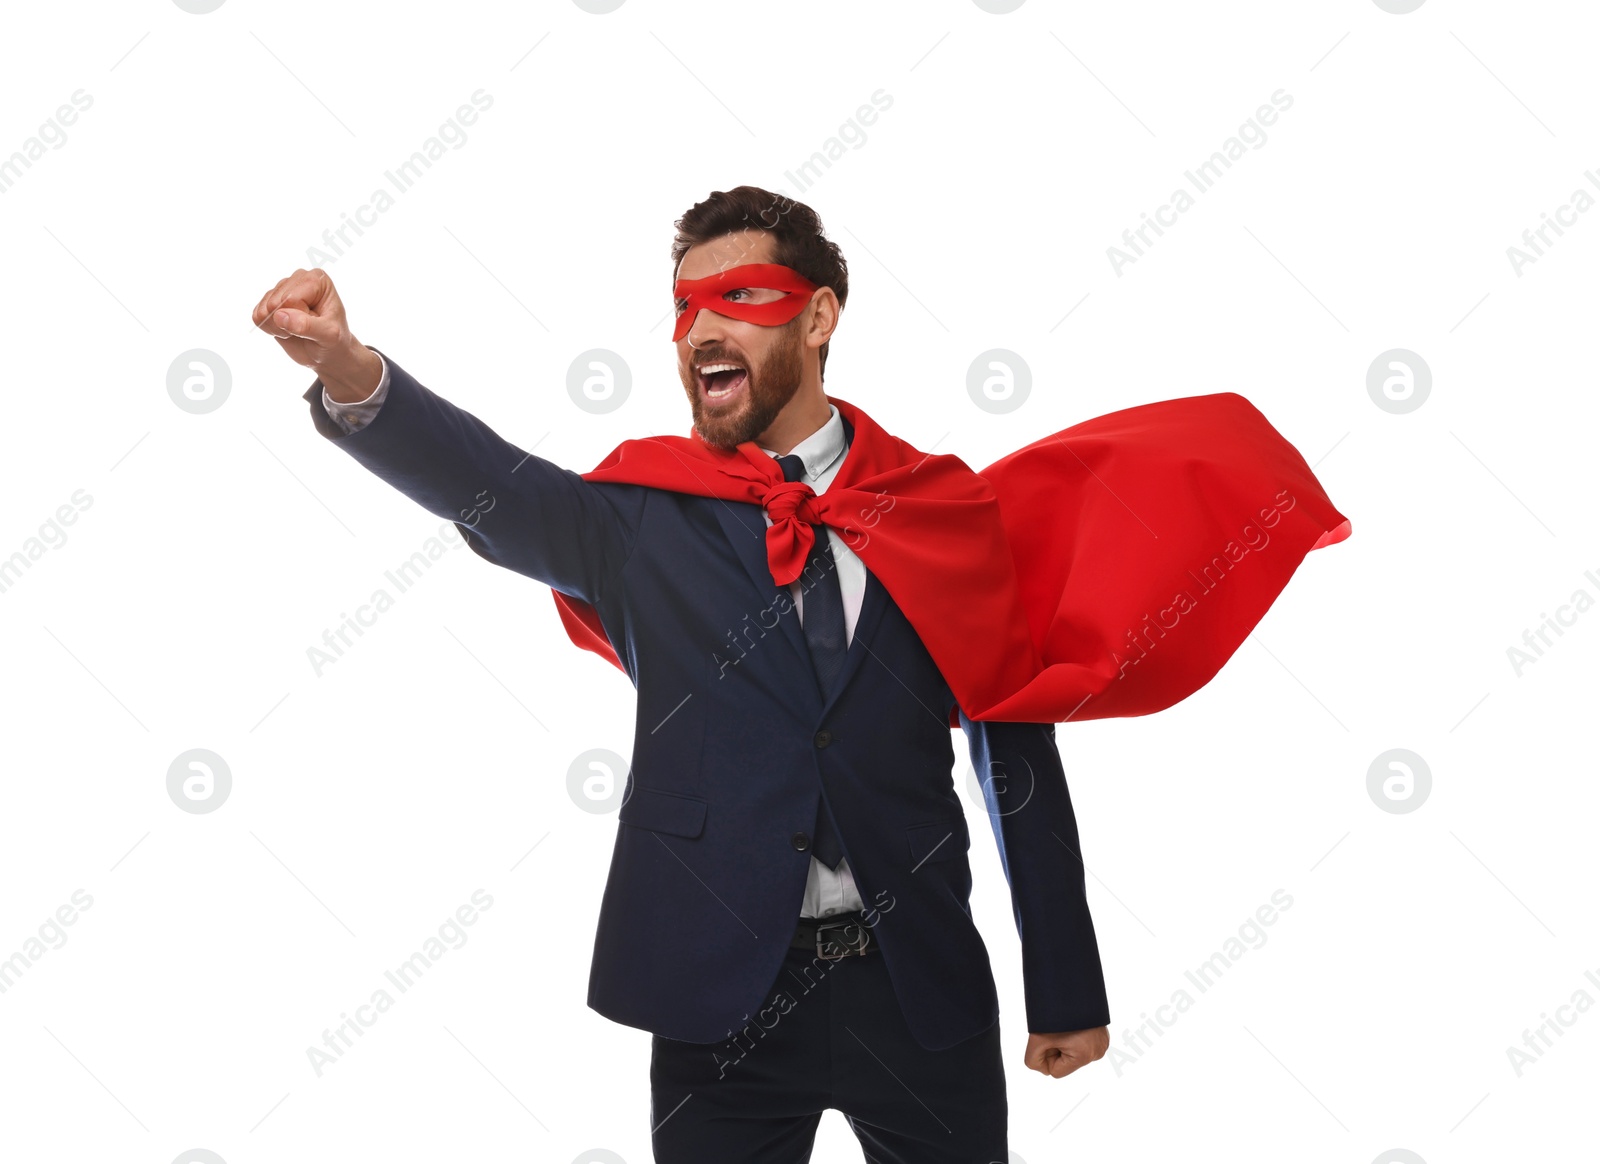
pixel 769 386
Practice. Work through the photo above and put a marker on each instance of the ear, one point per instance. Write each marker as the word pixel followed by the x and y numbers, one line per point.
pixel 824 317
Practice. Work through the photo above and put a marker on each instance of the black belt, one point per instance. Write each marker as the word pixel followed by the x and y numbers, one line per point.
pixel 834 937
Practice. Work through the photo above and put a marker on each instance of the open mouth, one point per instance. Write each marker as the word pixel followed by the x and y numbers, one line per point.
pixel 721 381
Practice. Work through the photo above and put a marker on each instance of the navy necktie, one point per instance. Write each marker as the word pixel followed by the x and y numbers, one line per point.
pixel 822 618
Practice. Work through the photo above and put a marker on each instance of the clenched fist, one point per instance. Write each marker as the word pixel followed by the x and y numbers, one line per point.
pixel 305 315
pixel 1063 1053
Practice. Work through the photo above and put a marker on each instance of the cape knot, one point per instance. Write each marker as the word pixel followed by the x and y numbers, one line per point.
pixel 790 499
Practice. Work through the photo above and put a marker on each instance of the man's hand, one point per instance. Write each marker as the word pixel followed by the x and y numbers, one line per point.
pixel 1064 1052
pixel 305 315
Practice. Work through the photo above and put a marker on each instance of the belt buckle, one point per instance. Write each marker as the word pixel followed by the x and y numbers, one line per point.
pixel 859 947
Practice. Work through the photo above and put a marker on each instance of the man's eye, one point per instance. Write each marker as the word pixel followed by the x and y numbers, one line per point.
pixel 680 305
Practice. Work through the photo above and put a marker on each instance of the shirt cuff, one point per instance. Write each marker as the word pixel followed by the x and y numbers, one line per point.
pixel 358 414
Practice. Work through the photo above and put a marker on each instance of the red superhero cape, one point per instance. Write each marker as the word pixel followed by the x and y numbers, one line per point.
pixel 1109 569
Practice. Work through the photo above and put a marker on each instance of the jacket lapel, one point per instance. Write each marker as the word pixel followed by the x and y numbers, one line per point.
pixel 746 529
pixel 873 602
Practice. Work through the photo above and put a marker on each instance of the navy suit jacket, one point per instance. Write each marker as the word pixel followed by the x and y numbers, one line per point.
pixel 734 747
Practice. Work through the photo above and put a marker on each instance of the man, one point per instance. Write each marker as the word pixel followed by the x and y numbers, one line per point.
pixel 787 909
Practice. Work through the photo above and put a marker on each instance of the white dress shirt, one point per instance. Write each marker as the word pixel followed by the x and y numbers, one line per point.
pixel 828 891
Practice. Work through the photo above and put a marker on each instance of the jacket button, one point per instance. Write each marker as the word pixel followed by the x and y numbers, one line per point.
pixel 823 738
pixel 800 841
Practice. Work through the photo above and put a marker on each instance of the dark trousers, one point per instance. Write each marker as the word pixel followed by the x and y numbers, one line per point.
pixel 829 1035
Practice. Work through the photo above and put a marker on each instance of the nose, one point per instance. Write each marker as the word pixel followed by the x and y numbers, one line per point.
pixel 708 328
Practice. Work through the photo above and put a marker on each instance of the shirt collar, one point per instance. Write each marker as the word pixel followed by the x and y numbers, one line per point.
pixel 822 448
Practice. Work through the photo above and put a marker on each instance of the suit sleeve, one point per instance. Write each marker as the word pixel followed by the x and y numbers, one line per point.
pixel 1025 790
pixel 514 509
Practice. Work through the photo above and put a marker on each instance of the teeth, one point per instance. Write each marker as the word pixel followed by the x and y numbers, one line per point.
pixel 710 369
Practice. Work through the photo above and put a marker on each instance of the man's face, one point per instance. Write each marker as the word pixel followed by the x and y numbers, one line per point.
pixel 734 406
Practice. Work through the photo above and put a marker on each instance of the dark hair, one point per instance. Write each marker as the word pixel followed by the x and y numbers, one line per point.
pixel 796 229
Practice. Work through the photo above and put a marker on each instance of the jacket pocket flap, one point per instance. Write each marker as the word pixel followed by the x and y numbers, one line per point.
pixel 939 840
pixel 664 812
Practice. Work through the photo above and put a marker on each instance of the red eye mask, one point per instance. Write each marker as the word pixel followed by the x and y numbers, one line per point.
pixel 708 293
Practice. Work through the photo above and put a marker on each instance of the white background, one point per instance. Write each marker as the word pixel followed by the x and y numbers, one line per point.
pixel 369 802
